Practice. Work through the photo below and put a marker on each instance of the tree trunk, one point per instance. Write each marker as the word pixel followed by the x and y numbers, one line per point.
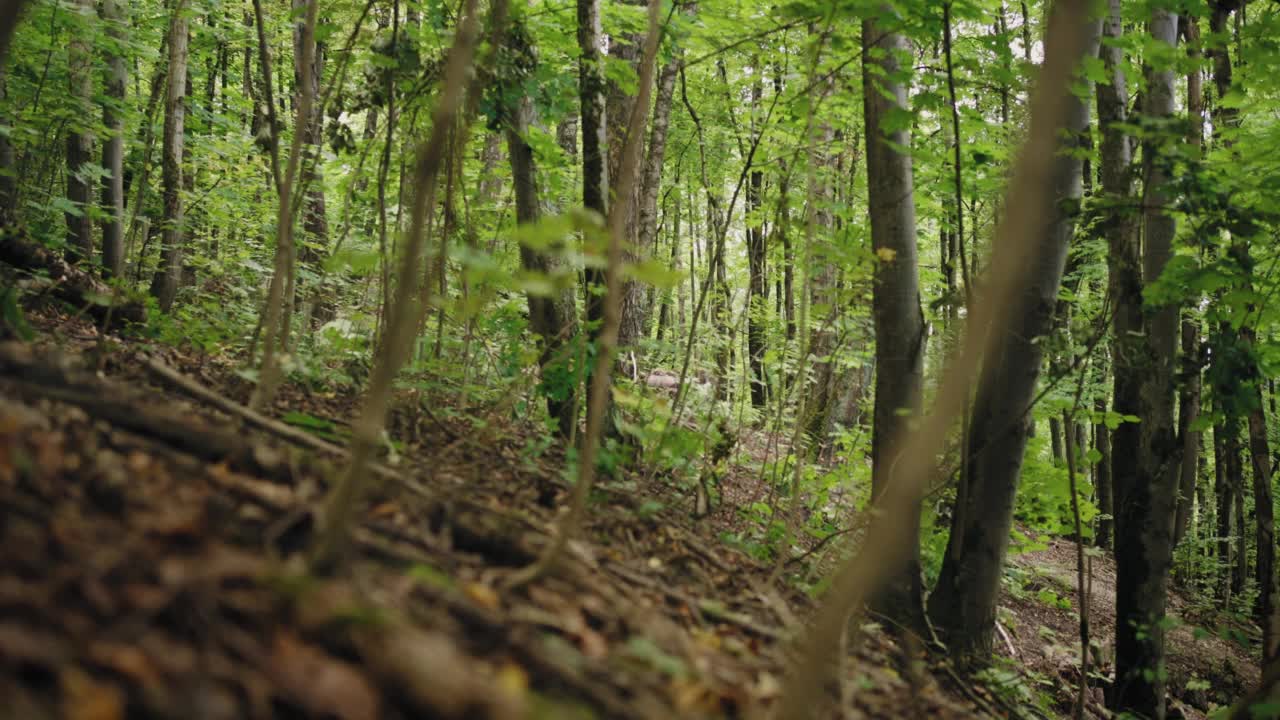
pixel 1188 411
pixel 1264 516
pixel 8 160
pixel 1189 391
pixel 113 147
pixel 963 606
pixel 595 155
pixel 79 143
pixel 822 284
pixel 1055 436
pixel 636 327
pixel 899 322
pixel 758 282
pixel 164 284
pixel 1146 499
pixel 551 318
pixel 315 225
pixel 1224 493
pixel 1102 479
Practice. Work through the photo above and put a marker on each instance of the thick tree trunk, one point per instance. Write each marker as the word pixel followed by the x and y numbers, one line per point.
pixel 1146 499
pixel 963 606
pixel 164 284
pixel 113 147
pixel 79 144
pixel 899 322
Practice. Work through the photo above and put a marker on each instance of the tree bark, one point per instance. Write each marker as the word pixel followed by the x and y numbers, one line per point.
pixel 899 322
pixel 757 284
pixel 1102 479
pixel 592 89
pixel 551 318
pixel 1188 412
pixel 315 225
pixel 1224 493
pixel 8 159
pixel 963 606
pixel 636 326
pixel 1055 432
pixel 113 147
pixel 1146 499
pixel 164 284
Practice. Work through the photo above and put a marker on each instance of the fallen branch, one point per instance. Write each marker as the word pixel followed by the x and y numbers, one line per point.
pixel 285 432
pixel 71 284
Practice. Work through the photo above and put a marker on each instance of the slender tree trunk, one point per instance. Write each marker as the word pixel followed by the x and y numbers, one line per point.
pixel 164 284
pixel 1102 479
pixel 551 318
pixel 1189 390
pixel 592 90
pixel 1188 411
pixel 113 147
pixel 1055 432
pixel 758 282
pixel 821 281
pixel 315 224
pixel 1224 493
pixel 782 230
pixel 8 160
pixel 1235 474
pixel 899 322
pixel 1146 499
pixel 1265 541
pixel 650 184
pixel 79 143
pixel 963 606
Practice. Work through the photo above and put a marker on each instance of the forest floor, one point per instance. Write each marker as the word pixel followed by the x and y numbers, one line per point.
pixel 150 568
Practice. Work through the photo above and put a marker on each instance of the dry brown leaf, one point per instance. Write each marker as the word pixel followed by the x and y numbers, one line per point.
pixel 482 595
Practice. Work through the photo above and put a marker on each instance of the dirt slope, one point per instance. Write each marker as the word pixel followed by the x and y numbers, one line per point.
pixel 149 568
pixel 1040 619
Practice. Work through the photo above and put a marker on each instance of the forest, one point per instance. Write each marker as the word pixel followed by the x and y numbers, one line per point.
pixel 639 359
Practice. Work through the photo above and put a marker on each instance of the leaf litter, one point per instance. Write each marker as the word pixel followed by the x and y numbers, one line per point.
pixel 143 576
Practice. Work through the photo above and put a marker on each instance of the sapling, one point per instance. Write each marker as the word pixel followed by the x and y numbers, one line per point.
pixel 406 312
pixel 571 522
